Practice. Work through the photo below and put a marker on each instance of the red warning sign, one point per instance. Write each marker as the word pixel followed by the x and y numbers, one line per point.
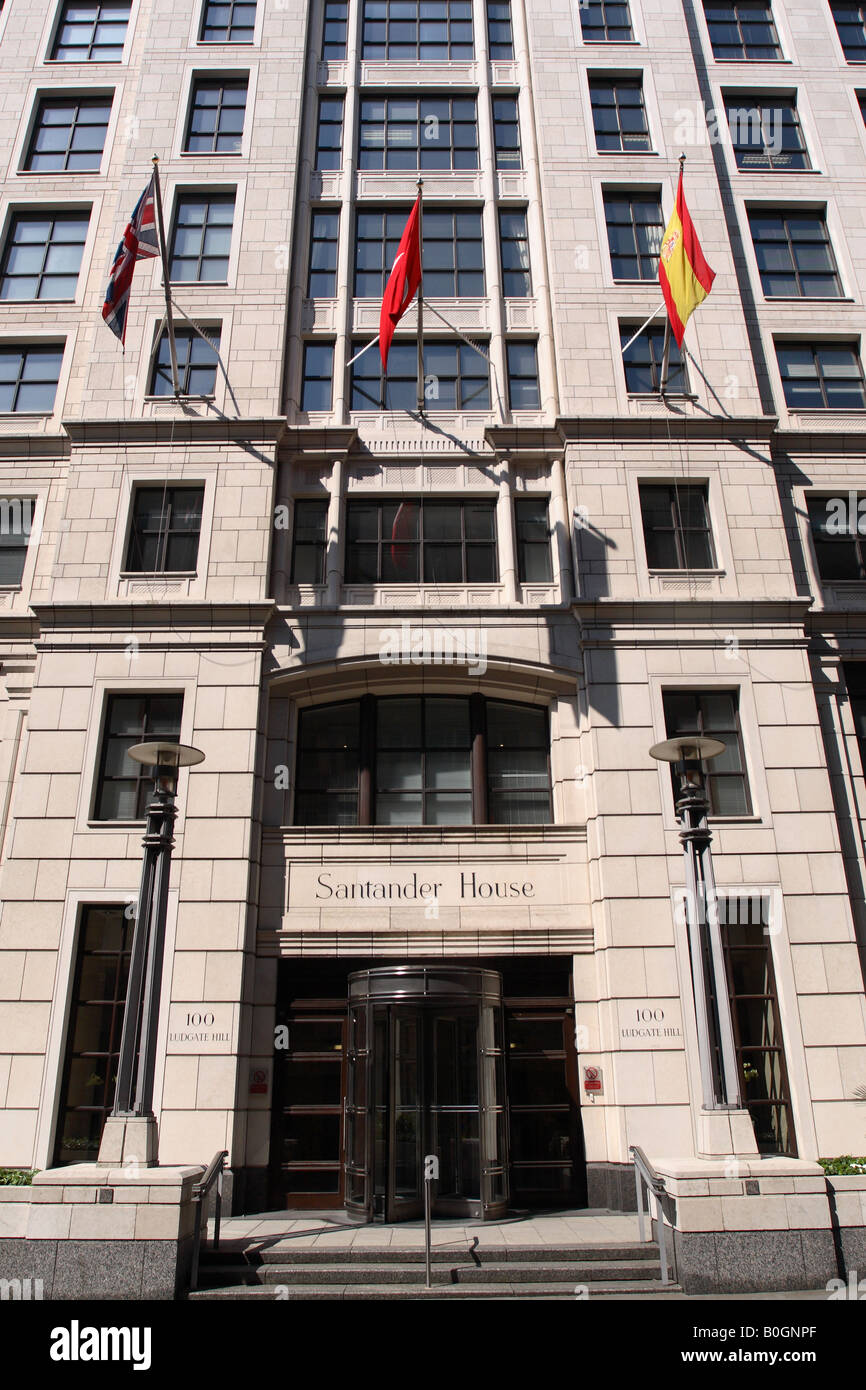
pixel 592 1082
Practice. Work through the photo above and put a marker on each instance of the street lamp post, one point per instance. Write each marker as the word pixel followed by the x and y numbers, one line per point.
pixel 716 1049
pixel 133 1097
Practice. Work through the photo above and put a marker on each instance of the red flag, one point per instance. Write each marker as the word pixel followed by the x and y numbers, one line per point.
pixel 402 283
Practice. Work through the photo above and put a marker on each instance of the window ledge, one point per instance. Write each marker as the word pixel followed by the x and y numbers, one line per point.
pixel 809 299
pixel 158 574
pixel 678 573
pixel 176 400
pixel 625 154
pixel 787 173
pixel 211 154
pixel 115 824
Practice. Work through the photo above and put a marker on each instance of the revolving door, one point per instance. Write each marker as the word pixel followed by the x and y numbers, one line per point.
pixel 425 1076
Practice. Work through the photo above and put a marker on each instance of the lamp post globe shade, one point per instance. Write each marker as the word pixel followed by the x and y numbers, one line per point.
pixel 165 754
pixel 687 748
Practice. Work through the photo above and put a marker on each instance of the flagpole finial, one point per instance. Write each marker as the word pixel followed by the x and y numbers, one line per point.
pixel 682 160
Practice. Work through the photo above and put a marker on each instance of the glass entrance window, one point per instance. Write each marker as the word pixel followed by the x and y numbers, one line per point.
pixel 433 1083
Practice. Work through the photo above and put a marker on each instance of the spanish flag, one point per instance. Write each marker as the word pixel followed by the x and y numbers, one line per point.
pixel 684 275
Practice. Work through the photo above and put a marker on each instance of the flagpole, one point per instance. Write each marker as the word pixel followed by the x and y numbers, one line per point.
pixel 172 345
pixel 420 302
pixel 666 351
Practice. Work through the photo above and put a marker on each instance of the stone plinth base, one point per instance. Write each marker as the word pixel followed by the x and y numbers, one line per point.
pixel 106 1233
pixel 128 1140
pixel 743 1225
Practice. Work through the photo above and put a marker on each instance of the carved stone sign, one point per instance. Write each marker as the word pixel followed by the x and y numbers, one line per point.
pixel 200 1028
pixel 649 1023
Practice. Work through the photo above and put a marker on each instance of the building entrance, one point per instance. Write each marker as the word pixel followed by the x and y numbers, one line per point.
pixel 425 1076
pixel 474 1062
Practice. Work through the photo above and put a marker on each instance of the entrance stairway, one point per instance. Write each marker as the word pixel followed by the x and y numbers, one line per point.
pixel 282 1270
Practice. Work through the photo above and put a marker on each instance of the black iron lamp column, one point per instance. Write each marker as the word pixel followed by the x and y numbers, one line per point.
pixel 718 1058
pixel 133 1096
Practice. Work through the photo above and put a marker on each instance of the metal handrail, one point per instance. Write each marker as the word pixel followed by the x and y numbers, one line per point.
pixel 213 1173
pixel 655 1184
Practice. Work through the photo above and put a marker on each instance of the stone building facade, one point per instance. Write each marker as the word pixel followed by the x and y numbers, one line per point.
pixel 548 573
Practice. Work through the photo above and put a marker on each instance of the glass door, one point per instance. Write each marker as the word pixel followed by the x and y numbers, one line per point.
pixel 404 1196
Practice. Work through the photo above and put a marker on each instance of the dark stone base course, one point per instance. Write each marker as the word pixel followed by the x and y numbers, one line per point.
pixel 611 1185
pixel 116 1270
pixel 754 1261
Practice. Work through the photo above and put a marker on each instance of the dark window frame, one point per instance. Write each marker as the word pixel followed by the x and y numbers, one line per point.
pixel 844 549
pixel 526 543
pixel 739 18
pixel 25 351
pixel 677 492
pixel 231 6
pixel 336 16
pixel 518 380
pixel 710 776
pixel 359 787
pixel 508 239
pixel 325 153
pixel 606 25
pixel 221 85
pixel 453 46
pixel 397 377
pixel 187 363
pixel 316 544
pixel 678 381
pixel 598 83
pixel 14 544
pixel 137 537
pixel 55 218
pixel 99 6
pixel 747 156
pixel 321 219
pixel 308 378
pixel 787 217
pixel 508 153
pixel 803 345
pixel 385 541
pixel 499 43
pixel 75 106
pixel 859 55
pixel 646 261
pixel 140 777
pixel 185 199
pixel 462 155
pixel 392 223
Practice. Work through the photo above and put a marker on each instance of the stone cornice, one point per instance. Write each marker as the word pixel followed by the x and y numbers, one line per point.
pixel 176 430
pixel 724 614
pixel 102 621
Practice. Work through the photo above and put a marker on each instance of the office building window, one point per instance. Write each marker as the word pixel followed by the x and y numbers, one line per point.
pixel 619 115
pixel 532 532
pixel 850 17
pixel 329 134
pixel 16 522
pixel 821 376
pixel 29 377
pixel 506 133
pixel 68 135
pixel 309 540
pixel 794 254
pixel 216 117
pixel 715 714
pixel 840 549
pixel 196 363
pixel 453 257
pixel 91 33
pixel 523 390
pixel 642 362
pixel 43 255
pixel 855 684
pixel 324 240
pixel 228 21
pixel 634 234
pixel 746 931
pixel 417 30
pixel 95 1025
pixel 415 760
pixel 765 133
pixel 202 238
pixel 124 787
pixel 500 39
pixel 164 530
pixel 514 253
pixel 742 31
pixel 318 376
pixel 605 21
pixel 420 541
pixel 418 133
pixel 335 31
pixel 455 378
pixel 676 526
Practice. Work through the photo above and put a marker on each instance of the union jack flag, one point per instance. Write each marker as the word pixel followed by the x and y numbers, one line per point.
pixel 138 242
